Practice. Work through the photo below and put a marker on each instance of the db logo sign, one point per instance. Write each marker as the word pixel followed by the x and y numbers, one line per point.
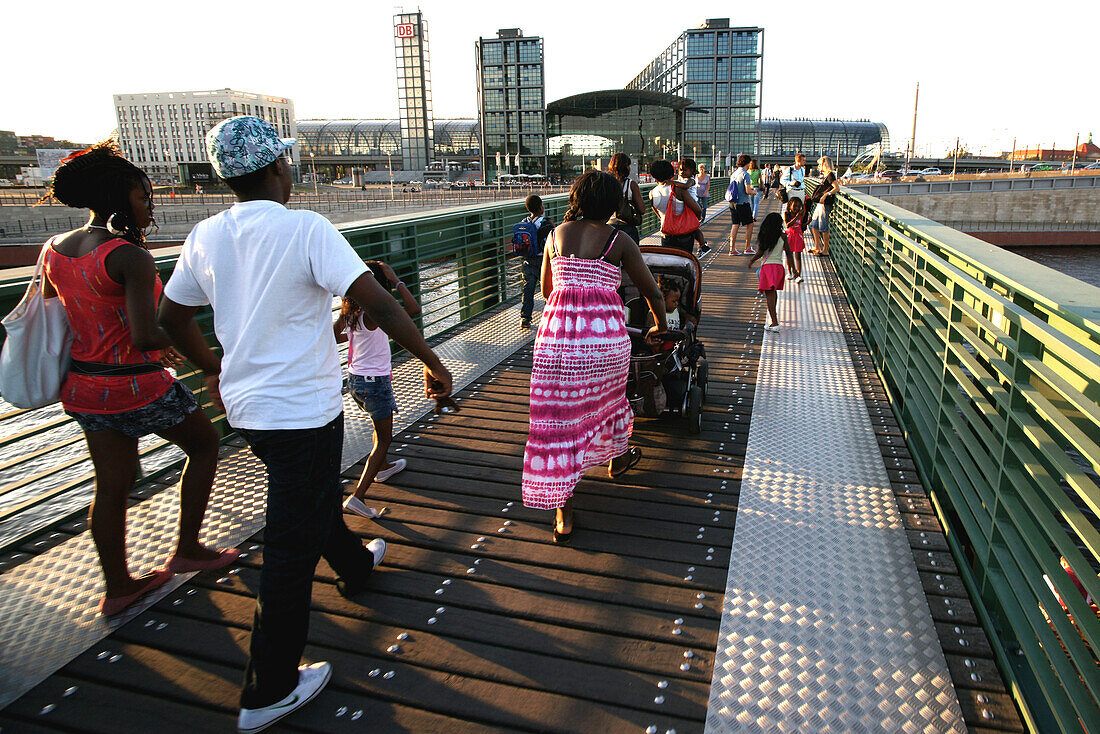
pixel 406 30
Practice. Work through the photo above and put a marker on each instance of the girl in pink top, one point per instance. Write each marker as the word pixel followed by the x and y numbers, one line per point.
pixel 369 379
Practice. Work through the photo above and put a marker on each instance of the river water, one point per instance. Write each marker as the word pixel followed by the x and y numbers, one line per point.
pixel 1082 263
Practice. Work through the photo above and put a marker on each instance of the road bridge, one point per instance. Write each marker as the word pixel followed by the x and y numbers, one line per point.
pixel 866 535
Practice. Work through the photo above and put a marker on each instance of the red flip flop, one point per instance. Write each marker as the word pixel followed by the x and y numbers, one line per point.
pixel 176 564
pixel 109 606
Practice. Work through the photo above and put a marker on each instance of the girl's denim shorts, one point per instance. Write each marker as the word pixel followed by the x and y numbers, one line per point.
pixel 374 395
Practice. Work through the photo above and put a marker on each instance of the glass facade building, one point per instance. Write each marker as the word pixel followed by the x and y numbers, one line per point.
pixel 719 69
pixel 836 138
pixel 511 101
pixel 414 90
pixel 376 138
pixel 585 130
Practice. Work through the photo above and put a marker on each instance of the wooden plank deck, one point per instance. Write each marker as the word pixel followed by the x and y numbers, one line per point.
pixel 476 621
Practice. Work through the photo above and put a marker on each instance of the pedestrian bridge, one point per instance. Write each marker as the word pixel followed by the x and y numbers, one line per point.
pixel 868 534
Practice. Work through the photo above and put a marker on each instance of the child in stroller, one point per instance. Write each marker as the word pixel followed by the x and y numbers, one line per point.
pixel 669 374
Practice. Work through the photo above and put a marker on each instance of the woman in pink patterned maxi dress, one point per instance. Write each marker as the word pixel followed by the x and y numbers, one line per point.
pixel 580 416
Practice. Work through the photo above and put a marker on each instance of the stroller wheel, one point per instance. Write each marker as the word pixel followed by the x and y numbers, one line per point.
pixel 702 371
pixel 694 413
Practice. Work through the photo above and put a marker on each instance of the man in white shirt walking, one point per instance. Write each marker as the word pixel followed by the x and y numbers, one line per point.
pixel 269 273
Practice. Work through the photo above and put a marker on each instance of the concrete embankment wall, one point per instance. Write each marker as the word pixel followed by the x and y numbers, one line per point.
pixel 1060 208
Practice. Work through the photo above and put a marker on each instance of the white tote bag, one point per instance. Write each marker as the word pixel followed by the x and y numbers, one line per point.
pixel 36 353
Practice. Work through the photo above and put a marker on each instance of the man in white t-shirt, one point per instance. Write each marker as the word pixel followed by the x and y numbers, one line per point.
pixel 793 178
pixel 270 273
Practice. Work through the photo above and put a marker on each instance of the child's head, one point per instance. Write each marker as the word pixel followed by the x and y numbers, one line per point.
pixel 534 205
pixel 752 165
pixel 794 208
pixel 688 167
pixel 670 289
pixel 770 231
pixel 661 171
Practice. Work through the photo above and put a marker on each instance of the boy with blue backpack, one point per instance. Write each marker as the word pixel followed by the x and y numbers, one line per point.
pixel 739 195
pixel 528 239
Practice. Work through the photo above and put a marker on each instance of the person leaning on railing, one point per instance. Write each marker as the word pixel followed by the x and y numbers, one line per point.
pixel 821 205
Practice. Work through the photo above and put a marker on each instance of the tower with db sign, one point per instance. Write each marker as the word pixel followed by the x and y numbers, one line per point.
pixel 414 90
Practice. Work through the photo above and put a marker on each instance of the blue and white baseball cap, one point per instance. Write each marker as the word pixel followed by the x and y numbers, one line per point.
pixel 244 144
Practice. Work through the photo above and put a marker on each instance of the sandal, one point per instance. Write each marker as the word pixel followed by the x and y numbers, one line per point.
pixel 109 606
pixel 562 538
pixel 634 455
pixel 179 564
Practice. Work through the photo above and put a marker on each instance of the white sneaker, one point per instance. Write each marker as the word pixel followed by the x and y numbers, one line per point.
pixel 378 548
pixel 387 473
pixel 356 506
pixel 798 279
pixel 773 329
pixel 311 681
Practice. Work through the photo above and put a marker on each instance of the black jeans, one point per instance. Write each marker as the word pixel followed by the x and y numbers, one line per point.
pixel 305 521
pixel 532 267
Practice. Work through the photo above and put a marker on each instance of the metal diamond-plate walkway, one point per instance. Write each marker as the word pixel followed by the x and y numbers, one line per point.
pixel 48 604
pixel 825 626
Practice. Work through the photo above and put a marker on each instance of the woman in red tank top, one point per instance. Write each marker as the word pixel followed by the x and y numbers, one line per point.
pixel 117 388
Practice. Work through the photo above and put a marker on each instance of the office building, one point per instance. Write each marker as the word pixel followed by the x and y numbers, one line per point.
pixel 585 130
pixel 511 100
pixel 164 133
pixel 414 90
pixel 719 69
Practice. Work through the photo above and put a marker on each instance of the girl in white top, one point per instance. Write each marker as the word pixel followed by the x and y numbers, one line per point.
pixel 369 370
pixel 771 244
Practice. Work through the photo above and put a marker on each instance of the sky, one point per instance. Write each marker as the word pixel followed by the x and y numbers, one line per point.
pixel 988 71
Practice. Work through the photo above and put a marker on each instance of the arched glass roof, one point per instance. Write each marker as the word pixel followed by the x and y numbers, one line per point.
pixel 379 137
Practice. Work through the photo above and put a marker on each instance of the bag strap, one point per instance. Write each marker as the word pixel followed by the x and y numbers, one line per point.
pixel 40 267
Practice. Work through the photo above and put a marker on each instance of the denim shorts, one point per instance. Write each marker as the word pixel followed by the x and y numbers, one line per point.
pixel 166 411
pixel 374 395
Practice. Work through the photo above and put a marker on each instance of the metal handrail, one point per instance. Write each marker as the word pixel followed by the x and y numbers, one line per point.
pixel 993 367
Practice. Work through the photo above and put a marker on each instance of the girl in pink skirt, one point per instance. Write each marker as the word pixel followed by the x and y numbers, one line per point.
pixel 772 244
pixel 580 416
pixel 792 222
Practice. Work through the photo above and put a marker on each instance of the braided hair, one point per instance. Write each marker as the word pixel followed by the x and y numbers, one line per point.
pixel 595 195
pixel 101 179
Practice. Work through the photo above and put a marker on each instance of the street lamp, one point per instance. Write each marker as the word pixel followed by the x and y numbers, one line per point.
pixel 389 164
pixel 313 167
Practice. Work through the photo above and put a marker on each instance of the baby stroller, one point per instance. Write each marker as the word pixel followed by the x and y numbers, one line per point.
pixel 672 376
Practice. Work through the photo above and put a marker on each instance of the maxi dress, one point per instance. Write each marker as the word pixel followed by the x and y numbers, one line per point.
pixel 580 416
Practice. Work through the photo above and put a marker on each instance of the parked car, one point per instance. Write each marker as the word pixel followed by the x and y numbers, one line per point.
pixel 1091 166
pixel 342 182
pixel 893 174
pixel 5 182
pixel 930 172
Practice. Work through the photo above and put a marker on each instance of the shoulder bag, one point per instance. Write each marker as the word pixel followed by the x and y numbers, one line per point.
pixel 36 353
pixel 682 223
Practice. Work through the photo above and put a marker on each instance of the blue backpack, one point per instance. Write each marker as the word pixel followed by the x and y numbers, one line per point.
pixel 525 239
pixel 736 191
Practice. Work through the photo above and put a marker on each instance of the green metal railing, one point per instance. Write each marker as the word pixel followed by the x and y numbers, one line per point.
pixel 453 261
pixel 993 365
